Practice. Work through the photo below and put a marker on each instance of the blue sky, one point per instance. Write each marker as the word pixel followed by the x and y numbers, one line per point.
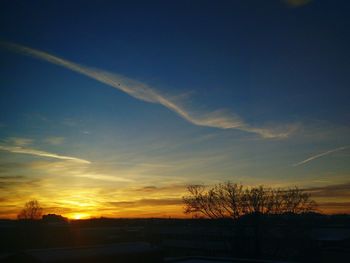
pixel 167 93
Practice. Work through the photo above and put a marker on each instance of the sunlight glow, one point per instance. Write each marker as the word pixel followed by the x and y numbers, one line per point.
pixel 78 216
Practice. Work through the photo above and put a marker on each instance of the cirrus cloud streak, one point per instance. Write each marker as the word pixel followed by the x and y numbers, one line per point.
pixel 17 149
pixel 216 119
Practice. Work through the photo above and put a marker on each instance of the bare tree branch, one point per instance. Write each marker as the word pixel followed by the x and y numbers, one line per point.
pixel 230 200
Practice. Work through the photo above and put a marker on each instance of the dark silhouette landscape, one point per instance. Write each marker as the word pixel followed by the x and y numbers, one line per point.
pixel 282 238
pixel 231 223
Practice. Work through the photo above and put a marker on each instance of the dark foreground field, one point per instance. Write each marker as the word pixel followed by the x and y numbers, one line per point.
pixel 308 238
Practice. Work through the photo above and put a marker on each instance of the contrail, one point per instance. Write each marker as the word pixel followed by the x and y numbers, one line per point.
pixel 320 155
pixel 139 90
pixel 17 149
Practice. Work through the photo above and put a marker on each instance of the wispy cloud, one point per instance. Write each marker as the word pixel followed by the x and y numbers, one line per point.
pixel 54 140
pixel 178 188
pixel 76 169
pixel 297 3
pixel 320 155
pixel 19 141
pixel 148 202
pixel 18 149
pixel 217 119
pixel 338 191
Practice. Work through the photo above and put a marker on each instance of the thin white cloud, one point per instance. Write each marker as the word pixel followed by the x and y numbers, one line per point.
pixel 320 155
pixel 76 169
pixel 54 140
pixel 19 141
pixel 103 177
pixel 18 149
pixel 141 91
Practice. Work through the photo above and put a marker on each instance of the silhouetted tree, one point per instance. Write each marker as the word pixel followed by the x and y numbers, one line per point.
pixel 229 200
pixel 31 211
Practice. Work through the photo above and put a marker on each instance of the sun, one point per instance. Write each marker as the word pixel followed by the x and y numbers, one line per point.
pixel 78 216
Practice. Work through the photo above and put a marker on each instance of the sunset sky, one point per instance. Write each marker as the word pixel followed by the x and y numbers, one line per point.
pixel 110 108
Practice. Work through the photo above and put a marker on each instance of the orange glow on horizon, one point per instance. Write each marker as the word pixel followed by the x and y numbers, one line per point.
pixel 78 216
pixel 84 204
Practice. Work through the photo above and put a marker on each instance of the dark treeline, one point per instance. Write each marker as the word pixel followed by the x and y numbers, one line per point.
pixel 294 237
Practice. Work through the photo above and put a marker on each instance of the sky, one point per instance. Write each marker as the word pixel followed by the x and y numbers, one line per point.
pixel 112 108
